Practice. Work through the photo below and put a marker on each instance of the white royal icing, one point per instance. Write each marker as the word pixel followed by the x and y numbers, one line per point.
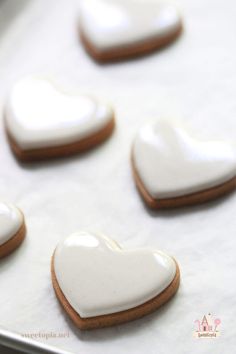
pixel 39 115
pixel 97 277
pixel 172 163
pixel 114 23
pixel 11 220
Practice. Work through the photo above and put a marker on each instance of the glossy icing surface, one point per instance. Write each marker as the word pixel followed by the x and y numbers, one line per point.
pixel 112 23
pixel 97 277
pixel 39 115
pixel 11 220
pixel 172 163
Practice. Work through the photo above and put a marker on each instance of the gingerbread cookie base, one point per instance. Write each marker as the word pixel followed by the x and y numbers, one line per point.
pixel 63 150
pixel 185 200
pixel 14 242
pixel 128 51
pixel 119 317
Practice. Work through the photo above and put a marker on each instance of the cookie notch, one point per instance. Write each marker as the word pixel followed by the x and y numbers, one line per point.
pixel 119 317
pixel 185 200
pixel 130 51
pixel 62 150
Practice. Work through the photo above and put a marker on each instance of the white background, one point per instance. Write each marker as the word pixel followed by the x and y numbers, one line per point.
pixel 194 80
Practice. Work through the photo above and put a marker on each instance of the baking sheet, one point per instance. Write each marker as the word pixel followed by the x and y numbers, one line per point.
pixel 194 80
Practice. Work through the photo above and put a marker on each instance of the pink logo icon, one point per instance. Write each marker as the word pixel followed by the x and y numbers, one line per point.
pixel 207 327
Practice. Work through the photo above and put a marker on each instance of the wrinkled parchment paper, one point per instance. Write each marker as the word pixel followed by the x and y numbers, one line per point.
pixel 193 80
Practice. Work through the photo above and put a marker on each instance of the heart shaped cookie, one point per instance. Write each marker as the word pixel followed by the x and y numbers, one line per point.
pixel 44 122
pixel 101 285
pixel 12 230
pixel 119 29
pixel 172 168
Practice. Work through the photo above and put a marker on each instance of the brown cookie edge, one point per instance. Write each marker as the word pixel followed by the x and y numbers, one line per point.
pixel 14 242
pixel 62 150
pixel 186 200
pixel 128 51
pixel 119 317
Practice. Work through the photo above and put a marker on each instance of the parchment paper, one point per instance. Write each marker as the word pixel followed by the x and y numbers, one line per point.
pixel 193 80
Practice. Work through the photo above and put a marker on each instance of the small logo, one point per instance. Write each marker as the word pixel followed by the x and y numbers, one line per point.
pixel 207 327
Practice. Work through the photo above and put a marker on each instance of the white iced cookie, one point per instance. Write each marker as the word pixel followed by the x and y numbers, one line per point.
pixel 43 121
pixel 12 228
pixel 172 168
pixel 117 29
pixel 99 284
